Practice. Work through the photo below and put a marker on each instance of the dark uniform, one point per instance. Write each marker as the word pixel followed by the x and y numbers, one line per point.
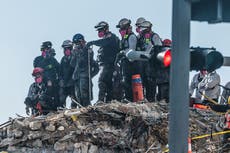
pixel 83 57
pixel 66 81
pixel 109 47
pixel 41 97
pixel 66 71
pixel 51 67
pixel 162 80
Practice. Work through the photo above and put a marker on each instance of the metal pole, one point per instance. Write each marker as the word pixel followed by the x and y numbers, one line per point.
pixel 179 77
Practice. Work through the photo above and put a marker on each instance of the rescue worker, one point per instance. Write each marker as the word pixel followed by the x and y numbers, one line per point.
pixel 48 62
pixel 128 41
pixel 40 98
pixel 150 39
pixel 50 65
pixel 197 78
pixel 162 74
pixel 85 68
pixel 225 97
pixel 109 47
pixel 137 24
pixel 167 43
pixel 209 87
pixel 66 82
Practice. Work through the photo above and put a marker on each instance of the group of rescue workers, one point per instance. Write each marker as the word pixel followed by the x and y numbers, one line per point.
pixel 72 77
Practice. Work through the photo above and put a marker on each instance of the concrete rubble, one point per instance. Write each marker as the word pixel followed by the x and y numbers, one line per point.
pixel 108 128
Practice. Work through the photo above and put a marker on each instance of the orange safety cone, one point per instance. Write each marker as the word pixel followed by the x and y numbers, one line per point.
pixel 137 88
pixel 189 145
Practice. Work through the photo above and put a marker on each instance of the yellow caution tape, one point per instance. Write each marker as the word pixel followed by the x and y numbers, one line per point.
pixel 213 134
pixel 200 137
pixel 209 99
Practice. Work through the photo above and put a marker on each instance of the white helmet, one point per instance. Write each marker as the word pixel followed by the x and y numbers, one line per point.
pixel 139 21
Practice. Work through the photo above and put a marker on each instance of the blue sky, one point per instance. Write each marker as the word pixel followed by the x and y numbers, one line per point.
pixel 26 23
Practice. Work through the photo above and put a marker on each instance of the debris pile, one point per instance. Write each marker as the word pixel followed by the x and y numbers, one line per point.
pixel 205 128
pixel 114 127
pixel 108 128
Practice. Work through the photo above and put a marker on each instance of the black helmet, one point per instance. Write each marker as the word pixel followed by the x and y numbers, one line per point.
pixel 146 25
pixel 139 21
pixel 67 43
pixel 124 23
pixel 77 38
pixel 102 25
pixel 46 45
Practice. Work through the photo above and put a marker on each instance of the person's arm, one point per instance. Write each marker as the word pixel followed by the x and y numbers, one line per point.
pixel 132 42
pixel 32 93
pixel 73 59
pixel 61 68
pixel 157 40
pixel 202 84
pixel 101 42
pixel 37 61
pixel 57 67
pixel 192 86
pixel 213 81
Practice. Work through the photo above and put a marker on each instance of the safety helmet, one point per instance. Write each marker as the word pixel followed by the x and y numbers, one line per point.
pixel 124 23
pixel 46 45
pixel 101 26
pixel 37 70
pixel 67 43
pixel 167 42
pixel 77 38
pixel 146 25
pixel 139 21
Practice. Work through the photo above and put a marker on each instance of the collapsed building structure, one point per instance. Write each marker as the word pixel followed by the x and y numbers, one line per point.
pixel 108 128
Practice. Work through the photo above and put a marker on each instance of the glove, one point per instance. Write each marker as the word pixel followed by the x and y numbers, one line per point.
pixel 27 110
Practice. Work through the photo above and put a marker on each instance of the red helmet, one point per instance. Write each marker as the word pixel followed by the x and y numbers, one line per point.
pixel 167 42
pixel 37 70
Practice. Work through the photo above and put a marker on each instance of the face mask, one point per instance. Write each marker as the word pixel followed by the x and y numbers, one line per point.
pixel 38 79
pixel 67 52
pixel 147 36
pixel 44 53
pixel 101 34
pixel 203 72
pixel 122 32
pixel 138 30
